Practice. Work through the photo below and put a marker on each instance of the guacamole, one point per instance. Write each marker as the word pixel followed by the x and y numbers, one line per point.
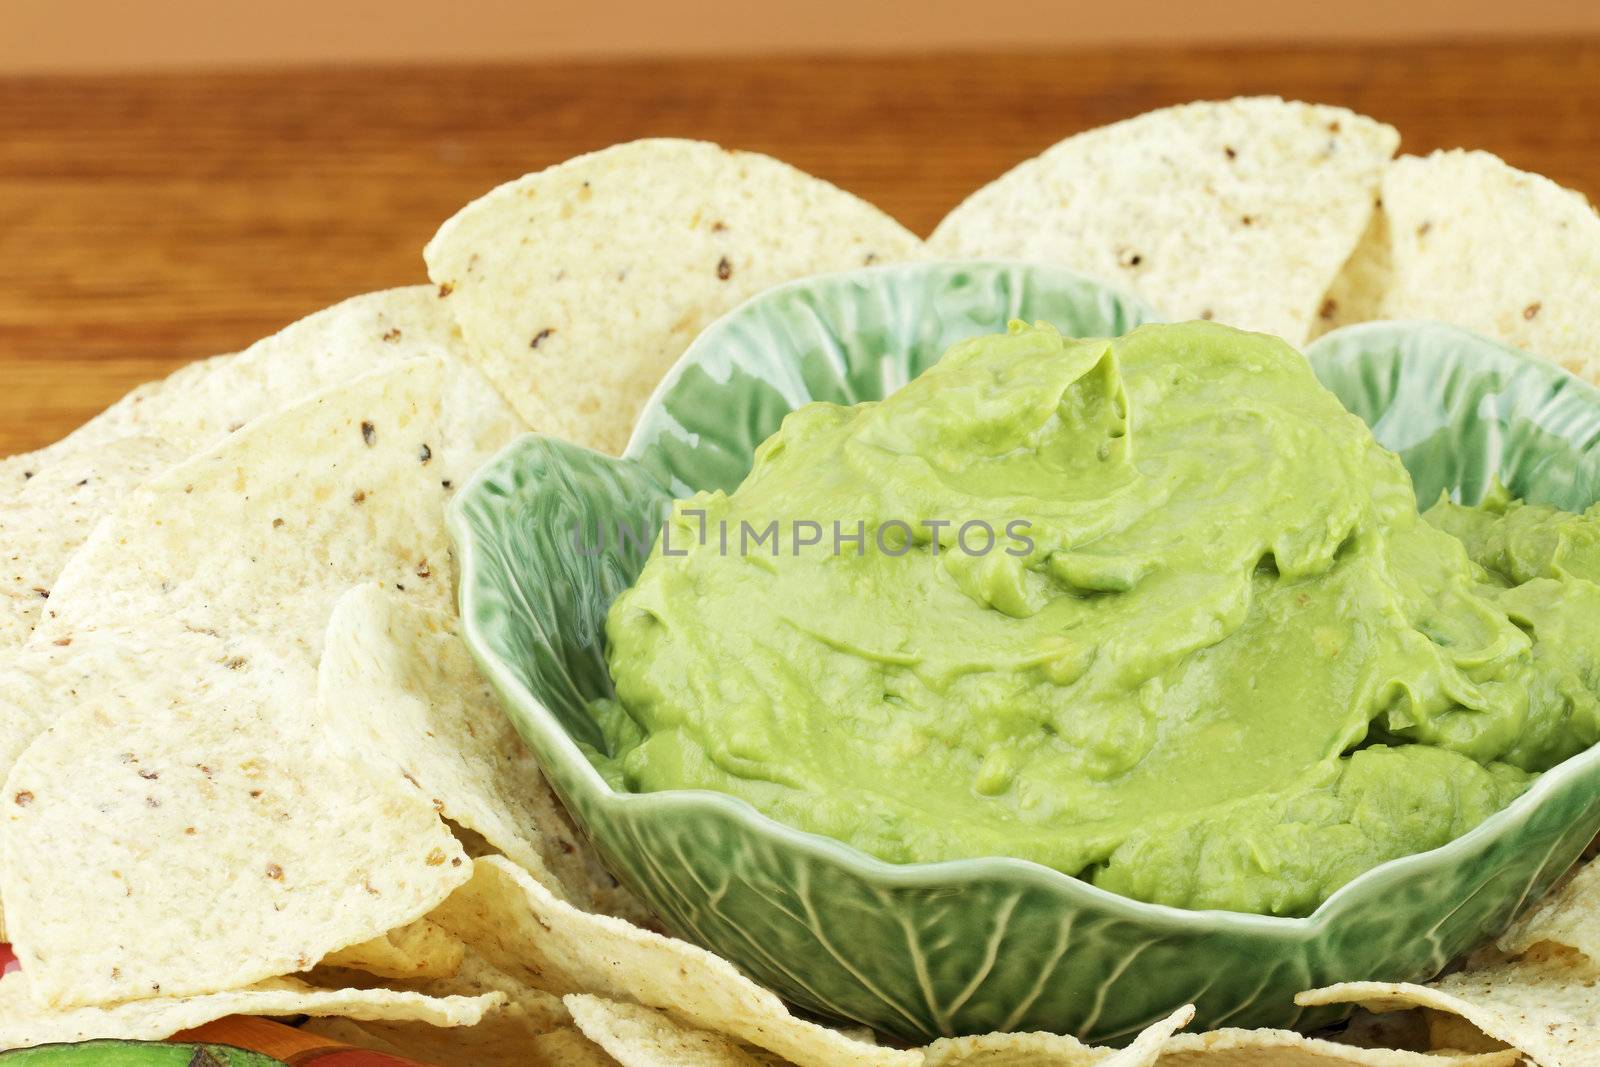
pixel 1156 612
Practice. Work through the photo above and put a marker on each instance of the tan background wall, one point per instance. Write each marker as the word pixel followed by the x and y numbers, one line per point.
pixel 44 35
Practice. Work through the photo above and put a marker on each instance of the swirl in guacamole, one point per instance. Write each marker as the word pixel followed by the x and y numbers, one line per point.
pixel 1223 663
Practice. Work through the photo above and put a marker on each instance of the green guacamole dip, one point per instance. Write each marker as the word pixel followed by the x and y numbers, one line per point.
pixel 1213 657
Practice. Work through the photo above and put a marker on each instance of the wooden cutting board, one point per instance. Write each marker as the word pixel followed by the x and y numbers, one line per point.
pixel 149 220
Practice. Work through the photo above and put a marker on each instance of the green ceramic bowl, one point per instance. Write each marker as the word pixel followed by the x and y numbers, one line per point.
pixel 920 951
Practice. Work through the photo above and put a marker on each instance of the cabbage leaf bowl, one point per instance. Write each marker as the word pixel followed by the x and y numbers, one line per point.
pixel 920 951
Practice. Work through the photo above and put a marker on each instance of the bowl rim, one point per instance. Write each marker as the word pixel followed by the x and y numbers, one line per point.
pixel 680 365
pixel 558 743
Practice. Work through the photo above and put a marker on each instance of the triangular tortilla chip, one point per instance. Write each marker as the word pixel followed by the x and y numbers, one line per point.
pixel 201 403
pixel 1466 239
pixel 577 287
pixel 51 514
pixel 399 691
pixel 181 828
pixel 1241 211
pixel 51 499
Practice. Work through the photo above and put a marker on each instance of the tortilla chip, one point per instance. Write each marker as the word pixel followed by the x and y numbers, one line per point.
pixel 398 690
pixel 24 1023
pixel 117 422
pixel 201 840
pixel 521 927
pixel 516 1032
pixel 1283 1048
pixel 643 1037
pixel 181 828
pixel 51 514
pixel 1546 1004
pixel 201 403
pixel 1241 211
pixel 1052 1050
pixel 540 1010
pixel 125 418
pixel 263 533
pixel 577 287
pixel 1483 245
pixel 1569 916
pixel 51 499
pixel 416 950
pixel 38 680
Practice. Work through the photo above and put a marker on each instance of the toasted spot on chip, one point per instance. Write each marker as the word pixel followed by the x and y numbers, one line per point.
pixel 606 258
pixel 1244 208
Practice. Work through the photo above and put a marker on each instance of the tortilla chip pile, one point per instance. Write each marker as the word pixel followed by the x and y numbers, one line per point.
pixel 251 767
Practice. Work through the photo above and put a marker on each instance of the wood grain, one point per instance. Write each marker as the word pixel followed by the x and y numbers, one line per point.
pixel 154 219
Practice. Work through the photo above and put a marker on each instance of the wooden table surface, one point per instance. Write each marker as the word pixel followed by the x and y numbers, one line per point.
pixel 149 220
